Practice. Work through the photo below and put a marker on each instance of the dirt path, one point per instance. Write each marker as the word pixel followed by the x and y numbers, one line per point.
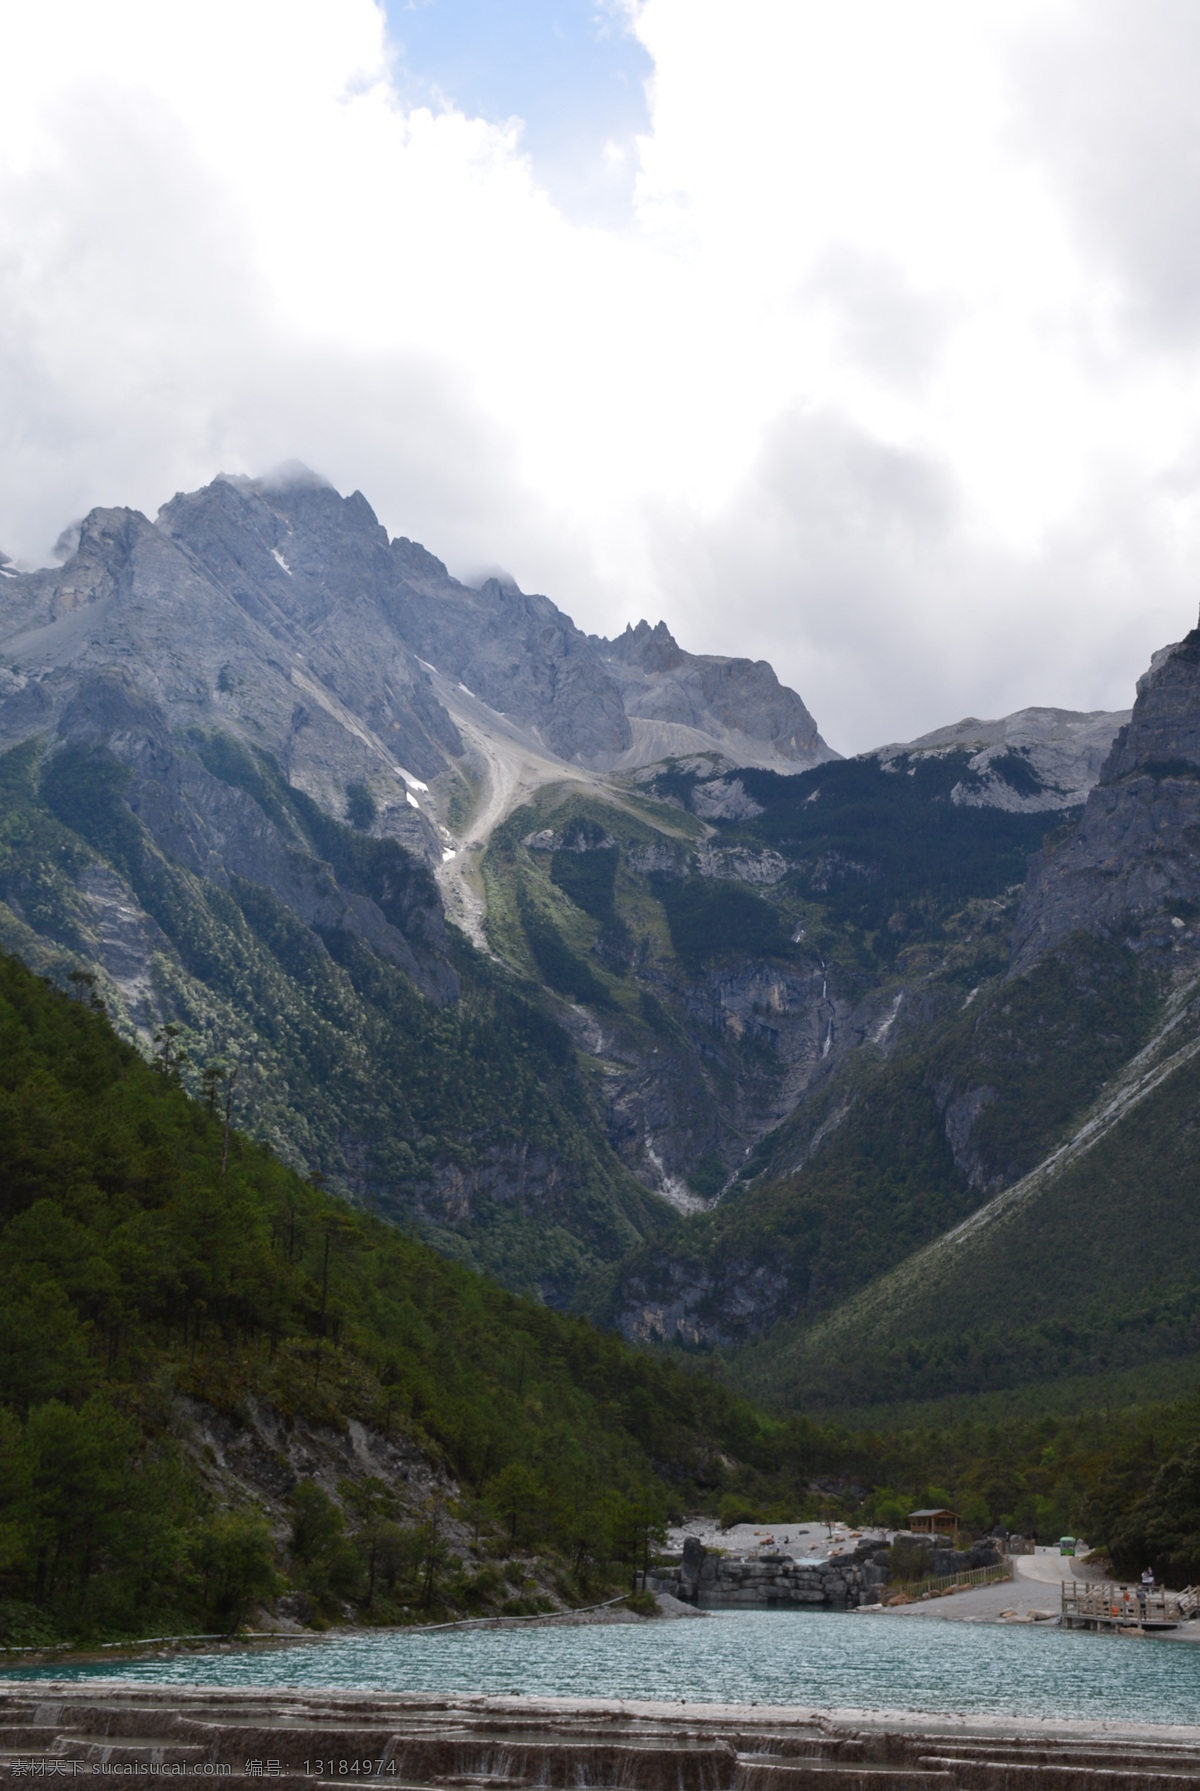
pixel 511 767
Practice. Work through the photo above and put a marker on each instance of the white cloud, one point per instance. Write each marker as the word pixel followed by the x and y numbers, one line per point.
pixel 1107 101
pixel 891 378
pixel 853 567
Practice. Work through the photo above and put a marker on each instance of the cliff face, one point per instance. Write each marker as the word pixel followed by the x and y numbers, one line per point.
pixel 681 703
pixel 201 616
pixel 1132 865
pixel 376 609
pixel 518 652
pixel 281 609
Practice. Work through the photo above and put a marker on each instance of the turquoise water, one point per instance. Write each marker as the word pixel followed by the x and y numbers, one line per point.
pixel 826 1658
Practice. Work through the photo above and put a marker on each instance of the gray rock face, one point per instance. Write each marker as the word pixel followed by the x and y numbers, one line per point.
pixel 741 864
pixel 220 833
pixel 723 799
pixel 694 1098
pixel 280 610
pixel 682 703
pixel 1133 861
pixel 204 622
pixel 317 572
pixel 519 653
pixel 959 1114
pixel 1034 760
pixel 773 1580
pixel 678 1303
pixel 123 940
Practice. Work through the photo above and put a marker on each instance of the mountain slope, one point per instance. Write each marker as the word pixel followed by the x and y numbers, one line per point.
pixel 1088 1265
pixel 232 762
pixel 682 703
pixel 739 999
pixel 957 1087
pixel 209 1370
pixel 1089 1260
pixel 374 1050
pixel 1033 760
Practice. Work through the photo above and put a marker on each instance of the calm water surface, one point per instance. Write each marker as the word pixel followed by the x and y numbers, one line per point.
pixel 800 1657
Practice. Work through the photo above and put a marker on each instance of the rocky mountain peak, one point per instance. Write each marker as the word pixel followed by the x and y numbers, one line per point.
pixel 278 608
pixel 417 567
pixel 682 703
pixel 1132 866
pixel 310 548
pixel 653 649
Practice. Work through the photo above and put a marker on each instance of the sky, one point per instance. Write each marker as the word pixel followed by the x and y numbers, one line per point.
pixel 862 338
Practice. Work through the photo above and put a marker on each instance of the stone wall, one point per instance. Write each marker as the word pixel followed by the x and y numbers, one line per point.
pixel 768 1580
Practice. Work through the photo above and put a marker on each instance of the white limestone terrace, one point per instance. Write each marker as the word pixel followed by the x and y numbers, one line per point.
pixel 513 1742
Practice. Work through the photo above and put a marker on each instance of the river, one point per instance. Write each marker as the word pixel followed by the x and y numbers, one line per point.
pixel 810 1658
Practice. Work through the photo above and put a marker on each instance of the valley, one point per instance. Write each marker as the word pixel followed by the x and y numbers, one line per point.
pixel 589 963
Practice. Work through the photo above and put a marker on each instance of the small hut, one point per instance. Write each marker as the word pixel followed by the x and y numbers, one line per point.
pixel 930 1521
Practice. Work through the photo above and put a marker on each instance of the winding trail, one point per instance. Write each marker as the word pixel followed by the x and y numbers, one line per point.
pixel 511 764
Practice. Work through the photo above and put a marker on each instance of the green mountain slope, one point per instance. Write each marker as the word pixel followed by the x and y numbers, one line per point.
pixel 1088 1267
pixel 1067 1092
pixel 220 1388
pixel 895 1147
pixel 734 961
pixel 463 1116
pixel 916 1078
pixel 185 1323
pixel 885 851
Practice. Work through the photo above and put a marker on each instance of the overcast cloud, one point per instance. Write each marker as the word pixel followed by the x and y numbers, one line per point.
pixel 885 369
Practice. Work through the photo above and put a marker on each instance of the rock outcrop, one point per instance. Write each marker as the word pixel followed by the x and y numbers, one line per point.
pixel 1033 761
pixel 680 703
pixel 769 1579
pixel 1131 868
pixel 517 652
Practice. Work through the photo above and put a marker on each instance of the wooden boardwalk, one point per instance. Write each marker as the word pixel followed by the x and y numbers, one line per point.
pixel 1088 1604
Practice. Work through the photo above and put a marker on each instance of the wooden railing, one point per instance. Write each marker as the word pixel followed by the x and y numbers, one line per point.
pixel 939 1585
pixel 1091 1602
